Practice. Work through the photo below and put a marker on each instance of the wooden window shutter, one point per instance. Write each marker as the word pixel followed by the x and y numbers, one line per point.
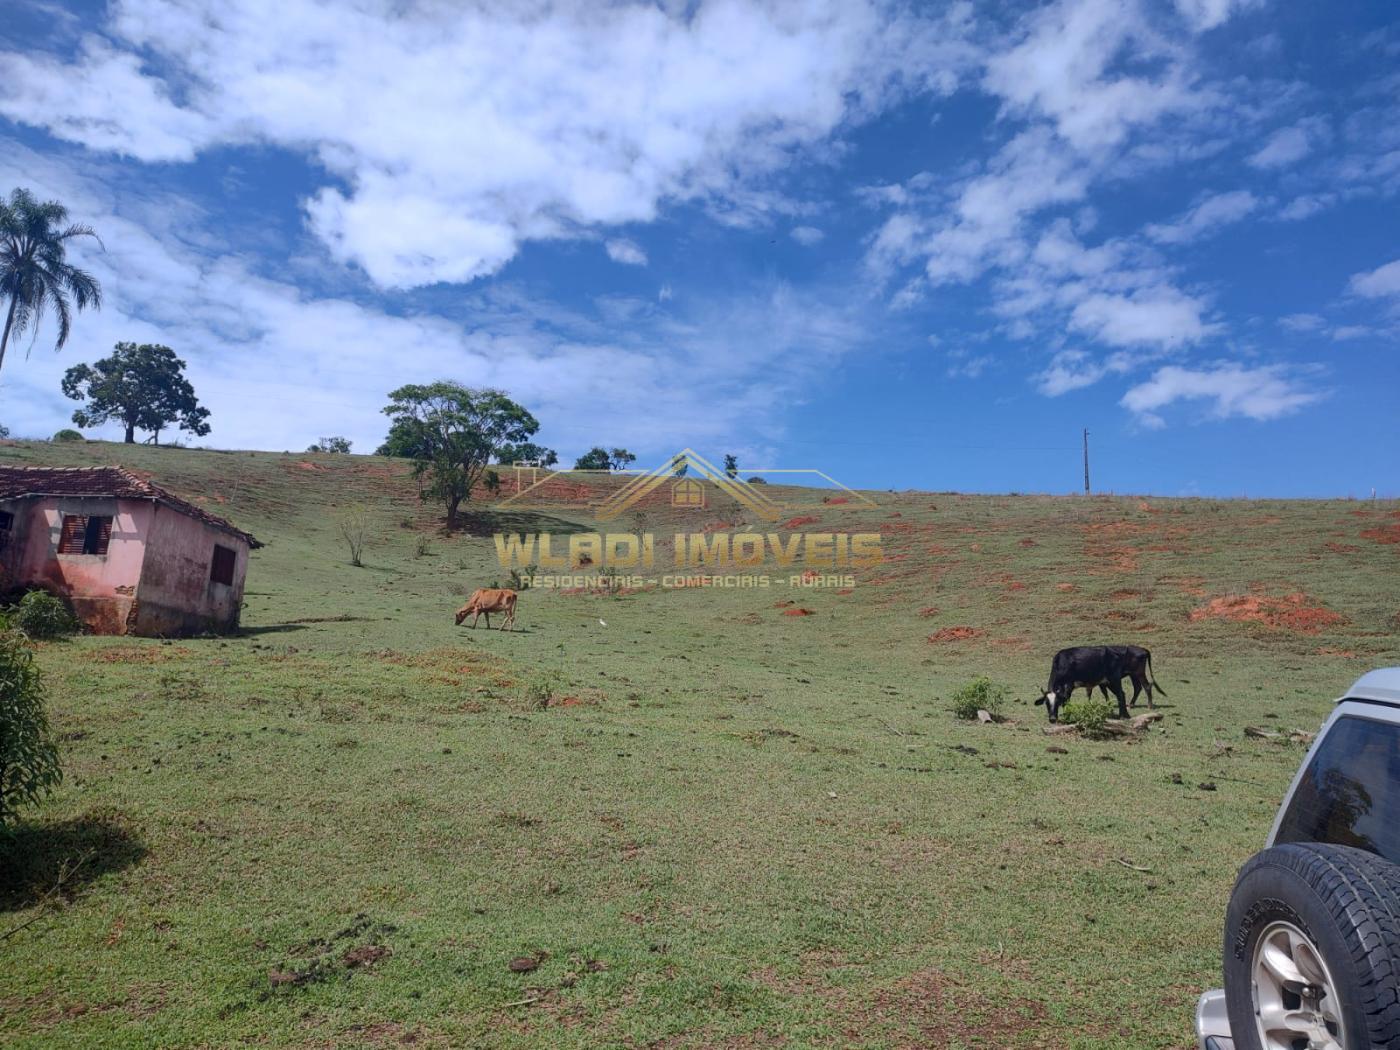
pixel 73 534
pixel 99 534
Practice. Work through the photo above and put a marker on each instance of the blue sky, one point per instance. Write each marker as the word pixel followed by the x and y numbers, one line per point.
pixel 917 246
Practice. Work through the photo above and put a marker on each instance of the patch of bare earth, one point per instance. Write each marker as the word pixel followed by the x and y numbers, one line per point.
pixel 1293 612
pixel 955 634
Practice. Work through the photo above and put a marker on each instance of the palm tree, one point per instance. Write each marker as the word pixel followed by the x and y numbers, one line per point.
pixel 33 273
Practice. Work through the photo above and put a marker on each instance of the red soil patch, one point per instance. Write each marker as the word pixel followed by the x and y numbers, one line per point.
pixel 1342 548
pixel 304 465
pixel 938 550
pixel 1065 588
pixel 785 602
pixel 1383 534
pixel 1294 612
pixel 929 610
pixel 1027 541
pixel 847 590
pixel 798 612
pixel 1125 594
pixel 797 523
pixel 955 634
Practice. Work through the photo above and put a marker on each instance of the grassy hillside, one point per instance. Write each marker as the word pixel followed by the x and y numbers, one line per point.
pixel 709 821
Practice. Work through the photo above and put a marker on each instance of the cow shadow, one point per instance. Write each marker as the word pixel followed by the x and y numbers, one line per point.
pixel 57 860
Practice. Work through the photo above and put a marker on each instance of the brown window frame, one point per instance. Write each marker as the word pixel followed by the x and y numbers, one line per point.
pixel 85 534
pixel 226 559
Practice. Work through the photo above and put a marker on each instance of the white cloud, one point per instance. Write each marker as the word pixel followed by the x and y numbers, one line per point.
pixel 1347 332
pixel 1207 14
pixel 1380 283
pixel 1302 322
pixel 1064 69
pixel 1286 146
pixel 807 235
pixel 1215 211
pixel 455 133
pixel 1306 205
pixel 628 252
pixel 1261 393
pixel 1069 370
pixel 1157 316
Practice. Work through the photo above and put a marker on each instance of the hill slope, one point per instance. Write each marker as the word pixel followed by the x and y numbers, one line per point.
pixel 708 821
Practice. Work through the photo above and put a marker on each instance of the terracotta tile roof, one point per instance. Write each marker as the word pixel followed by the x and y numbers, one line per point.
pixel 117 482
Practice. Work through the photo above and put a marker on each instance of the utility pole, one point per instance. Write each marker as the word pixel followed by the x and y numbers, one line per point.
pixel 1086 461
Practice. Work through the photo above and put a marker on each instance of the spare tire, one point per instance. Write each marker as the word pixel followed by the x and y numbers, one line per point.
pixel 1312 950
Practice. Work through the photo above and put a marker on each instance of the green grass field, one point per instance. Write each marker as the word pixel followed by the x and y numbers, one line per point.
pixel 709 822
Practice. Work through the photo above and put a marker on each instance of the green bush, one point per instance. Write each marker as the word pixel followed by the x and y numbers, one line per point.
pixel 42 616
pixel 68 434
pixel 980 694
pixel 1091 716
pixel 29 766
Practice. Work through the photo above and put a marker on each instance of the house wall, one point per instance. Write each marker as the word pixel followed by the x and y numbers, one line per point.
pixel 100 587
pixel 176 595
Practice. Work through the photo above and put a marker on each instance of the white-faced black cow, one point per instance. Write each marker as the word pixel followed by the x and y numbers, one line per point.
pixel 1104 666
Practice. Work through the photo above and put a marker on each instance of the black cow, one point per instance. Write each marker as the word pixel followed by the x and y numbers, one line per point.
pixel 1104 666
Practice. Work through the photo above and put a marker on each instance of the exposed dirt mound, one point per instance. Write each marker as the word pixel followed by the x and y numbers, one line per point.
pixel 1383 534
pixel 929 610
pixel 798 612
pixel 955 634
pixel 798 522
pixel 1294 612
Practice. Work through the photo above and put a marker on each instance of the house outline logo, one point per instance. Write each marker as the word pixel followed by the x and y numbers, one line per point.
pixel 687 492
pixel 643 485
pixel 687 461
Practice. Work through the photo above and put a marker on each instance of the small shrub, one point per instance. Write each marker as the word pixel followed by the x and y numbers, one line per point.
pixel 354 527
pixel 980 694
pixel 42 616
pixel 422 548
pixel 68 434
pixel 540 689
pixel 29 766
pixel 1091 716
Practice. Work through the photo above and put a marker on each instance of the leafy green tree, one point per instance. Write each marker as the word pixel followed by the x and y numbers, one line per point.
pixel 34 273
pixel 621 458
pixel 331 444
pixel 67 434
pixel 527 452
pixel 596 458
pixel 29 766
pixel 452 433
pixel 142 387
pixel 731 464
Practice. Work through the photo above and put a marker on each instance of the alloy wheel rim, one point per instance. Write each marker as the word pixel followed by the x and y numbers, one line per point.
pixel 1295 998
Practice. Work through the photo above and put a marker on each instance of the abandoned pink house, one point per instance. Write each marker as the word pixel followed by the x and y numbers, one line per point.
pixel 128 556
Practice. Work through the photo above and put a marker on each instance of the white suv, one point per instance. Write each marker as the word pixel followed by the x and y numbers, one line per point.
pixel 1312 933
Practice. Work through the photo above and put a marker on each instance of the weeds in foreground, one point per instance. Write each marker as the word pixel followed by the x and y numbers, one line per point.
pixel 980 694
pixel 1091 716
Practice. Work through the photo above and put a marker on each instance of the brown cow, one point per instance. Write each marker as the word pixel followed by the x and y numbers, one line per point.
pixel 485 601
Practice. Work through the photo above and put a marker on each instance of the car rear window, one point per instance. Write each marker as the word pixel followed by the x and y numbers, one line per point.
pixel 1349 794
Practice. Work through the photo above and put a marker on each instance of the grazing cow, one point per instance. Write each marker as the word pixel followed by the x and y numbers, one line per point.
pixel 485 601
pixel 1104 666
